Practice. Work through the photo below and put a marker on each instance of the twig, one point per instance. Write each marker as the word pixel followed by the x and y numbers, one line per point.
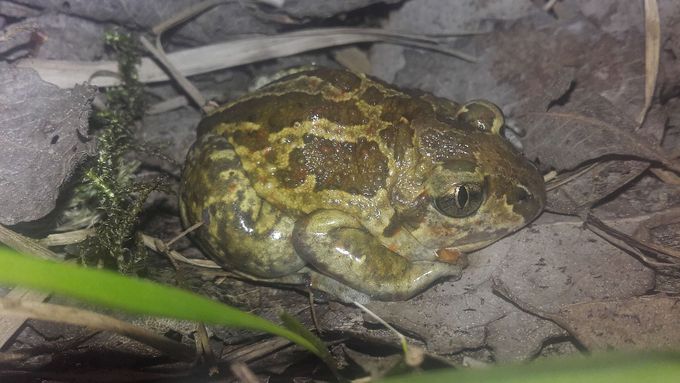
pixel 437 48
pixel 51 347
pixel 26 245
pixel 152 243
pixel 604 234
pixel 155 244
pixel 559 181
pixel 402 338
pixel 652 48
pixel 243 373
pixel 666 176
pixel 549 5
pixel 593 221
pixel 9 325
pixel 66 238
pixel 184 15
pixel 273 3
pixel 204 349
pixel 187 86
pixel 181 17
pixel 642 232
pixel 184 233
pixel 413 355
pixel 70 315
pixel 208 58
pixel 313 313
pixel 256 350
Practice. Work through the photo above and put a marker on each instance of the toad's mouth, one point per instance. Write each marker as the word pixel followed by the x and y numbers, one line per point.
pixel 479 239
pixel 454 252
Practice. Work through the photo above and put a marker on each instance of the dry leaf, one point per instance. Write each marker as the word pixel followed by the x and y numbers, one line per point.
pixel 43 135
pixel 519 336
pixel 598 181
pixel 643 323
pixel 561 263
pixel 587 129
pixel 594 181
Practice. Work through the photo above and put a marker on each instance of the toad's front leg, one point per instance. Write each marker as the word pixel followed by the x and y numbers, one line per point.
pixel 336 244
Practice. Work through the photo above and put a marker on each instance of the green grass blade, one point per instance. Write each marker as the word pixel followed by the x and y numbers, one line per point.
pixel 292 324
pixel 132 295
pixel 602 368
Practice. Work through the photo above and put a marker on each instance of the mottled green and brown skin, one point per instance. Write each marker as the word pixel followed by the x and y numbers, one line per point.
pixel 354 186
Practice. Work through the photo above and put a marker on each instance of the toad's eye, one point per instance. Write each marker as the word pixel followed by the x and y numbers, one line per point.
pixel 461 201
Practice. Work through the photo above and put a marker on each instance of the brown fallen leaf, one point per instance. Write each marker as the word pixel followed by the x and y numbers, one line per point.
pixel 520 336
pixel 645 244
pixel 586 130
pixel 43 135
pixel 638 323
pixel 591 184
pixel 574 192
pixel 561 263
pixel 643 232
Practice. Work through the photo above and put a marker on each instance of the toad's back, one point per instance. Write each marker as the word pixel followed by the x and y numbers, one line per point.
pixel 324 139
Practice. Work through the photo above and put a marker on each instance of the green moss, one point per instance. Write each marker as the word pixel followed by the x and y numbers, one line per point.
pixel 126 102
pixel 118 197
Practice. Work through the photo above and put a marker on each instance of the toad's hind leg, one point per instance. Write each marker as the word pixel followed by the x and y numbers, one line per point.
pixel 337 245
pixel 240 230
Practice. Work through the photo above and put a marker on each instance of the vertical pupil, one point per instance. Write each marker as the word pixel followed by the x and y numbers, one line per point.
pixel 462 197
